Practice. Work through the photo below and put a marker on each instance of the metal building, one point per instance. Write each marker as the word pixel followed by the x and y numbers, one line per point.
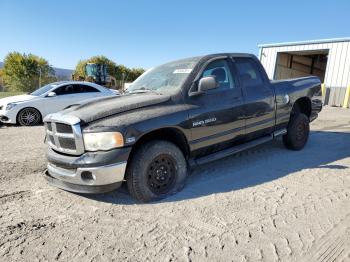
pixel 329 59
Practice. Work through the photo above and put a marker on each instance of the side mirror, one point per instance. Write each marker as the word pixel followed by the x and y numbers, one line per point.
pixel 51 94
pixel 207 83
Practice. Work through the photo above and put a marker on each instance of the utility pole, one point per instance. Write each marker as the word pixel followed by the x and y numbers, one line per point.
pixel 123 77
pixel 39 77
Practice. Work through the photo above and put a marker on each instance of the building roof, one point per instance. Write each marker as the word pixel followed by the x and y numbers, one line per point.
pixel 308 42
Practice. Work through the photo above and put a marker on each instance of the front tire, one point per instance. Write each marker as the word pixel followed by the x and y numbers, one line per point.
pixel 29 117
pixel 298 132
pixel 158 169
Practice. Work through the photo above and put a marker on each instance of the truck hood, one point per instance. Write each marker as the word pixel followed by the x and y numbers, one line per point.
pixel 107 106
pixel 14 99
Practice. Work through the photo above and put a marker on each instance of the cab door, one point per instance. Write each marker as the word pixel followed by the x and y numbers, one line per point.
pixel 259 98
pixel 65 96
pixel 217 116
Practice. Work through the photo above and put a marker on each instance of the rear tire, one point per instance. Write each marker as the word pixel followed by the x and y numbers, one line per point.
pixel 298 132
pixel 158 169
pixel 29 117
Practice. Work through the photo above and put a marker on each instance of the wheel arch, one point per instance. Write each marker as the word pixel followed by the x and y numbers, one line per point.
pixel 171 134
pixel 302 105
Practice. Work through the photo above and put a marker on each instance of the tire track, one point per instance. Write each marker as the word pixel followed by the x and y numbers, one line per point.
pixel 334 245
pixel 13 196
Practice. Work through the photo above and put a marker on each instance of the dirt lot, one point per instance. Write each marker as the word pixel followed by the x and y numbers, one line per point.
pixel 266 204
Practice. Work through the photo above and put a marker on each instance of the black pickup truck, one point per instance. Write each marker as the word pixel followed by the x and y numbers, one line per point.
pixel 174 117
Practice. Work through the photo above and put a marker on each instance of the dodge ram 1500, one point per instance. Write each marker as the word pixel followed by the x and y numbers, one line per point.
pixel 174 117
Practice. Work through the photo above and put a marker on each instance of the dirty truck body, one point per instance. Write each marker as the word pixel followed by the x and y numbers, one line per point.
pixel 175 117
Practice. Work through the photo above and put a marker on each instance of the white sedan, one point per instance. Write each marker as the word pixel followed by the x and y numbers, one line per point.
pixel 31 109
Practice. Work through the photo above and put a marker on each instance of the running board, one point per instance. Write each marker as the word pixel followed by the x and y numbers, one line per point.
pixel 231 151
pixel 236 149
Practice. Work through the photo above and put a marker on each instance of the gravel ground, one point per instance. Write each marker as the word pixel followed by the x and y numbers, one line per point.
pixel 266 204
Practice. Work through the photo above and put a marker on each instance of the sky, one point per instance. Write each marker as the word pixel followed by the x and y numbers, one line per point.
pixel 145 33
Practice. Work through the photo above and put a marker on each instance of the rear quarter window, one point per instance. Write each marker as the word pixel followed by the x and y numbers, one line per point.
pixel 85 89
pixel 249 72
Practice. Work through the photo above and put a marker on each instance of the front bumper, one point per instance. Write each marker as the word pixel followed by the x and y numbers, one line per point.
pixel 92 172
pixel 86 180
pixel 8 117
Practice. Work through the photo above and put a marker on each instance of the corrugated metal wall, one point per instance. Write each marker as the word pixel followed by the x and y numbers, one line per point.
pixel 337 76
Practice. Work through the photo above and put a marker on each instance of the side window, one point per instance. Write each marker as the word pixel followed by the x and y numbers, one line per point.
pixel 64 90
pixel 248 72
pixel 74 89
pixel 220 69
pixel 78 89
pixel 87 89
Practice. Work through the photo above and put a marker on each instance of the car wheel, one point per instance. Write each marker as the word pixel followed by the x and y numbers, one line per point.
pixel 157 169
pixel 298 132
pixel 29 117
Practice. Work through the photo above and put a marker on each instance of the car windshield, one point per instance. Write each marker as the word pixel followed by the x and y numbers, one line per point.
pixel 44 89
pixel 167 78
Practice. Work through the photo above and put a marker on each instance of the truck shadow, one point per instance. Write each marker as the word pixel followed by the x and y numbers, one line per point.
pixel 254 167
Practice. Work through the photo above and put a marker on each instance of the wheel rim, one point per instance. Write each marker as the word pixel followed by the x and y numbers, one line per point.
pixel 161 174
pixel 301 131
pixel 29 117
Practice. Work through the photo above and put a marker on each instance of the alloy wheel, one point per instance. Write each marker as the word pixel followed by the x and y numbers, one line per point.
pixel 29 117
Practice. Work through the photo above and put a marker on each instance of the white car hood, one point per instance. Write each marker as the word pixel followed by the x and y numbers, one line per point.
pixel 20 98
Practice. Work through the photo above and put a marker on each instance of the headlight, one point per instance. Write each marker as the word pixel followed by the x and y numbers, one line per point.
pixel 10 106
pixel 103 141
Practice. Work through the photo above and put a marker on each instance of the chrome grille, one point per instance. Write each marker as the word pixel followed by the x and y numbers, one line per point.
pixel 48 126
pixel 64 134
pixel 66 142
pixel 51 139
pixel 63 128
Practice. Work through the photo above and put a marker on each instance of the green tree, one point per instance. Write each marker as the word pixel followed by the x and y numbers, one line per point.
pixel 1 81
pixel 128 74
pixel 21 72
pixel 80 72
pixel 120 72
pixel 134 73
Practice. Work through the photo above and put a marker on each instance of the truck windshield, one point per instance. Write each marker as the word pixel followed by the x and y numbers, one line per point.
pixel 167 78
